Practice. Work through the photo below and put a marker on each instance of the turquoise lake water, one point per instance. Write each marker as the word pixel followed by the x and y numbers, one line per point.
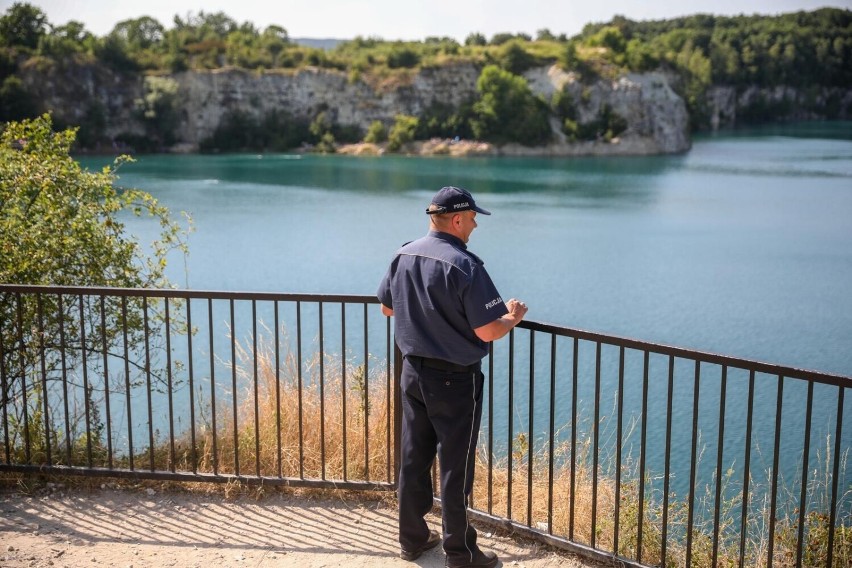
pixel 741 246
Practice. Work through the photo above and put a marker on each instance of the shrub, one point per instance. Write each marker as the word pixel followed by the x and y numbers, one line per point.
pixel 377 133
pixel 403 57
pixel 402 132
pixel 514 58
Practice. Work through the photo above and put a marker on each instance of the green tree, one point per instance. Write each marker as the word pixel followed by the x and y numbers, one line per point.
pixel 514 58
pixel 569 58
pixel 403 56
pixel 507 111
pixel 139 33
pixel 158 110
pixel 611 38
pixel 273 41
pixel 23 25
pixel 67 39
pixel 501 38
pixel 544 34
pixel 140 40
pixel 402 132
pixel 475 39
pixel 16 102
pixel 377 133
pixel 61 225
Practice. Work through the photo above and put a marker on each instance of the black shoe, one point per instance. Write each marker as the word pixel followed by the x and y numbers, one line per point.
pixel 482 560
pixel 431 542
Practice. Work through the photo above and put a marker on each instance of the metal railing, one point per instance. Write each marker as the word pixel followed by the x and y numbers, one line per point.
pixel 657 455
pixel 280 389
pixel 609 447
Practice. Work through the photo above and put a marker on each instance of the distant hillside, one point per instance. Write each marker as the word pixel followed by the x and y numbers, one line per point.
pixel 319 43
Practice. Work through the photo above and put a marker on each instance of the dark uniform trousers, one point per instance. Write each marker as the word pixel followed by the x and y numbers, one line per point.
pixel 441 412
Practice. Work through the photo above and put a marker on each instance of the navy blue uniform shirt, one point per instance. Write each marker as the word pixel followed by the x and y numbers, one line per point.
pixel 439 293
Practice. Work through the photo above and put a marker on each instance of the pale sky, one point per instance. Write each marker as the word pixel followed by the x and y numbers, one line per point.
pixel 398 19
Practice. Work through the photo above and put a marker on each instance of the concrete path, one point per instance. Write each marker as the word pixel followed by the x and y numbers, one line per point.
pixel 141 527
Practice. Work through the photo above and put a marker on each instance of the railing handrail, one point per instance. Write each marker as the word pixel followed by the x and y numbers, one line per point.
pixel 822 377
pixel 184 293
pixel 691 354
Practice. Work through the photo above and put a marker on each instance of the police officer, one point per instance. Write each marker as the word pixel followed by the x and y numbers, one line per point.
pixel 446 310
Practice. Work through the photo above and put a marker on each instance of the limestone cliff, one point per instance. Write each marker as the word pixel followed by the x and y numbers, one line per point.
pixel 656 117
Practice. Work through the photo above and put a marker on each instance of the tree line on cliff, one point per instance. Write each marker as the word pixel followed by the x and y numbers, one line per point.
pixel 806 50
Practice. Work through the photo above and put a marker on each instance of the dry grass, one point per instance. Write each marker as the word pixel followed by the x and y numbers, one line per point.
pixel 299 425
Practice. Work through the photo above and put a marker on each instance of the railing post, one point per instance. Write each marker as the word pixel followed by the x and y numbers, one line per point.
pixel 397 414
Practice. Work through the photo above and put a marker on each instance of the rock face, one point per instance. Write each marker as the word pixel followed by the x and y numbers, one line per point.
pixel 656 117
pixel 729 106
pixel 207 97
pixel 76 93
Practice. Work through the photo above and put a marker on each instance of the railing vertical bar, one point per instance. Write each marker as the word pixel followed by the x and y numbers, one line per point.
pixel 127 387
pixel 642 458
pixel 299 381
pixel 148 383
pixel 278 448
pixel 596 444
pixel 366 395
pixel 234 389
pixel 106 381
pixel 192 451
pixel 667 467
pixel 531 430
pixel 551 434
pixel 22 359
pixel 190 362
pixel 343 392
pixel 256 388
pixel 170 385
pixel 619 431
pixel 574 379
pixel 86 396
pixel 779 403
pixel 322 389
pixel 43 358
pixel 490 428
pixel 388 389
pixel 212 386
pixel 68 442
pixel 720 449
pixel 6 397
pixel 803 496
pixel 510 427
pixel 835 478
pixel 23 363
pixel 397 413
pixel 746 469
pixel 693 468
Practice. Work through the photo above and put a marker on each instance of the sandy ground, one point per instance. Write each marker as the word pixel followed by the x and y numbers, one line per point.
pixel 138 527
